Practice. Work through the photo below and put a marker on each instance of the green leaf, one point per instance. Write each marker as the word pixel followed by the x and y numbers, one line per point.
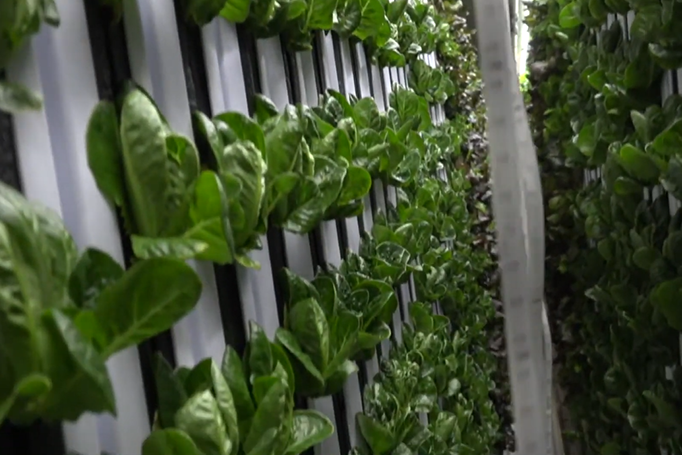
pixel 150 297
pixel 264 108
pixel 319 14
pixel 105 154
pixel 288 340
pixel 80 381
pixel 348 18
pixel 259 352
pixel 15 98
pixel 308 429
pixel 226 404
pixel 244 128
pixel 638 164
pixel 200 418
pixel 236 11
pixel 372 19
pixel 93 273
pixel 378 437
pixel 143 139
pixel 169 390
pixel 667 297
pixel 233 372
pixel 169 442
pixel 395 10
pixel 307 322
pixel 569 17
pixel 170 247
pixel 271 413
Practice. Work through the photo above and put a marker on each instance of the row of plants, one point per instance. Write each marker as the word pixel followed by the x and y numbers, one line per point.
pixel 332 322
pixel 394 33
pixel 213 200
pixel 612 271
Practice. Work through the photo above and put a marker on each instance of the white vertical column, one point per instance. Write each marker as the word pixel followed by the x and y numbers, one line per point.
pixel 70 93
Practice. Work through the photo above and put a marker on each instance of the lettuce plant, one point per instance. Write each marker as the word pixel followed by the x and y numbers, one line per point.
pixel 242 406
pixel 169 206
pixel 62 315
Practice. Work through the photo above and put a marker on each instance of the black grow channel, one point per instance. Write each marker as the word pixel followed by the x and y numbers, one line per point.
pixel 112 72
pixel 229 298
pixel 39 438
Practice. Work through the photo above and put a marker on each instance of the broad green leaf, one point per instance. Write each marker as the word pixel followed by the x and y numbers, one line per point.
pixel 236 11
pixel 203 11
pixel 94 272
pixel 170 247
pixel 233 371
pixel 638 164
pixel 80 380
pixel 105 153
pixel 15 98
pixel 264 108
pixel 169 442
pixel 259 352
pixel 372 19
pixel 569 17
pixel 200 418
pixel 395 10
pixel 169 390
pixel 288 340
pixel 348 18
pixel 319 14
pixel 270 414
pixel 150 297
pixel 378 437
pixel 307 322
pixel 244 128
pixel 143 139
pixel 667 297
pixel 308 429
pixel 225 401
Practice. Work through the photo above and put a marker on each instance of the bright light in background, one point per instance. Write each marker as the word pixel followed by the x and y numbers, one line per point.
pixel 522 38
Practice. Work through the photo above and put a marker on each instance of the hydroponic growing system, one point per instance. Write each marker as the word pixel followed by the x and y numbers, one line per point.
pixel 265 227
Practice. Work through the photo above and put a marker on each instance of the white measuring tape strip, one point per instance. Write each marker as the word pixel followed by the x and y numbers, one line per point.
pixel 517 205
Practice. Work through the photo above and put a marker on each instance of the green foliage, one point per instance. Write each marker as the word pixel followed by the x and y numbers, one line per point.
pixel 19 20
pixel 63 315
pixel 612 271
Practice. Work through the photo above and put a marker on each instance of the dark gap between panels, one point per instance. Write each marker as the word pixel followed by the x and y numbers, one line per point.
pixel 229 297
pixel 112 70
pixel 338 59
pixel 354 67
pixel 676 82
pixel 38 438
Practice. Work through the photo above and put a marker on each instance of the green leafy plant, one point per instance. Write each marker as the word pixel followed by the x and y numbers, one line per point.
pixel 62 315
pixel 169 206
pixel 19 20
pixel 242 406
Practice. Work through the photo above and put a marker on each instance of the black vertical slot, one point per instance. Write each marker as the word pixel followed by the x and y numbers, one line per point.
pixel 338 399
pixel 354 66
pixel 112 70
pixel 229 298
pixel 676 82
pixel 39 437
pixel 336 41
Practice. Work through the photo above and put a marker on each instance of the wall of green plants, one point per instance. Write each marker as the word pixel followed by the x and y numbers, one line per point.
pixel 607 135
pixel 441 390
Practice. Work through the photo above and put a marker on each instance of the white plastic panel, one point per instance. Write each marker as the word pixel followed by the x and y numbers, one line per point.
pixel 156 64
pixel 227 92
pixel 34 150
pixel 70 93
pixel 329 60
pixel 306 67
pixel 271 67
pixel 347 63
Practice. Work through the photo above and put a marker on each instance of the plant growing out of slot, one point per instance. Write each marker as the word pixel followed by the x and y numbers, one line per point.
pixel 319 335
pixel 19 20
pixel 169 206
pixel 243 406
pixel 63 315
